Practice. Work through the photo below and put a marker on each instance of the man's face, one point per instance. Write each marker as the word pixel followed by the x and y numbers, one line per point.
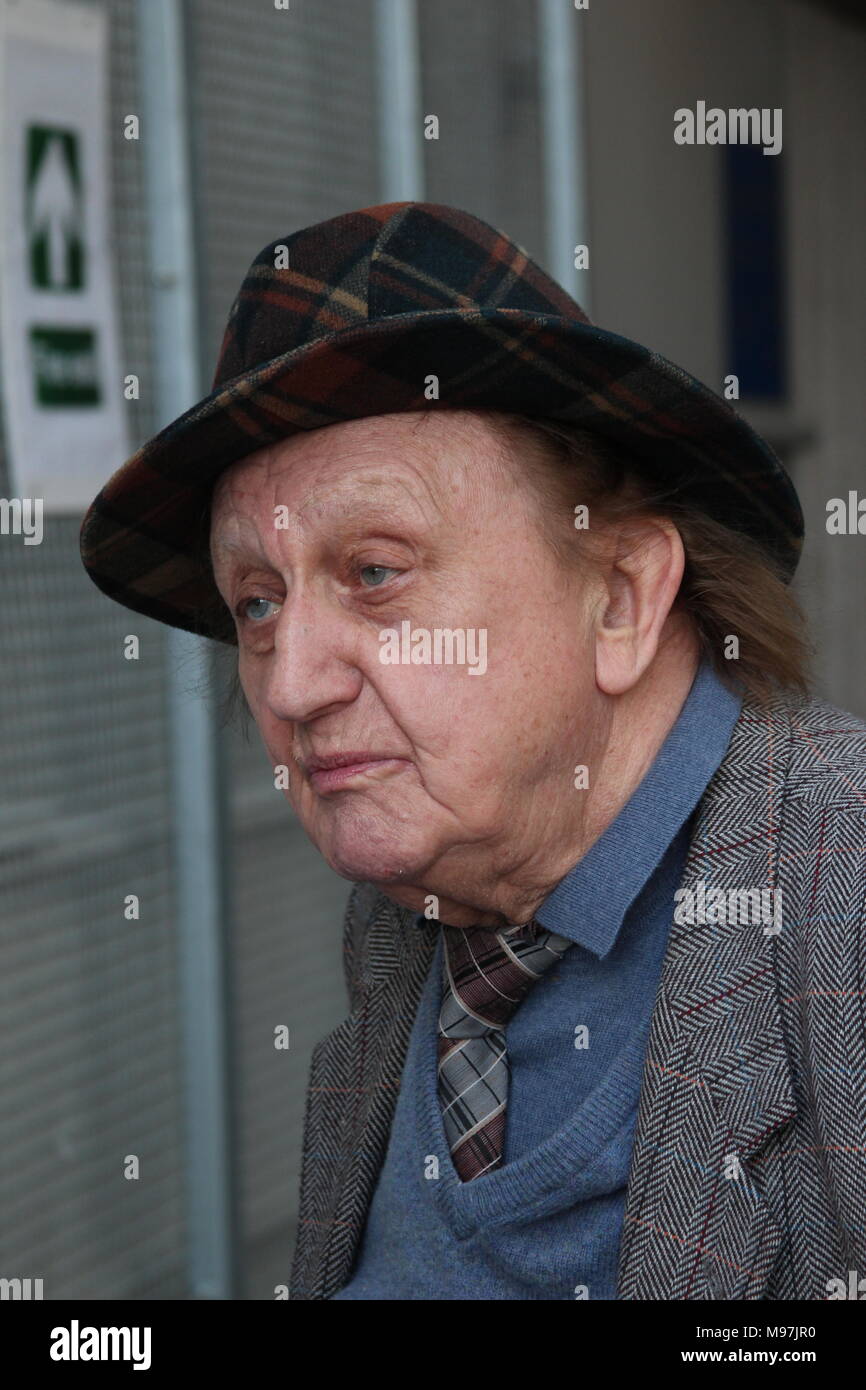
pixel 323 542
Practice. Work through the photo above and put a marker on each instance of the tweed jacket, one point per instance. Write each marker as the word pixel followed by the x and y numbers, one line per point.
pixel 748 1172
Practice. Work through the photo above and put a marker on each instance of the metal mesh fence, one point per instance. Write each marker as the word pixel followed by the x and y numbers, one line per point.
pixel 91 1066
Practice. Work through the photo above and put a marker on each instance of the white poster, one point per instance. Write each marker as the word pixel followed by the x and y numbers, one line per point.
pixel 60 365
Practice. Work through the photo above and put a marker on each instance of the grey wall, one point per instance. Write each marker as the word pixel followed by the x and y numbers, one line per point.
pixel 657 258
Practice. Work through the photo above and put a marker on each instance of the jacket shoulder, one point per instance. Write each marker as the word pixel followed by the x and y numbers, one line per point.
pixel 827 764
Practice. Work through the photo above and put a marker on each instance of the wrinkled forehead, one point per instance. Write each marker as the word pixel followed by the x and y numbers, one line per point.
pixel 398 468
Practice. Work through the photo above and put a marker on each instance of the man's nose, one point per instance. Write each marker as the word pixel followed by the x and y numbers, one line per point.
pixel 312 665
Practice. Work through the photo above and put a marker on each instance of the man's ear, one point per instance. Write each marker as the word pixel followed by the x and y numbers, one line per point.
pixel 642 579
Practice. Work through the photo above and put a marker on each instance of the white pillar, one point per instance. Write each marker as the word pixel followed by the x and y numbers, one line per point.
pixel 197 794
pixel 560 49
pixel 400 135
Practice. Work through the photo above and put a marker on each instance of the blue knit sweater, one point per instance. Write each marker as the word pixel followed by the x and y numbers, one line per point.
pixel 547 1223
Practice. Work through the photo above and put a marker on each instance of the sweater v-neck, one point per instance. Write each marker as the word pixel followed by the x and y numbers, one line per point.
pixel 580 1160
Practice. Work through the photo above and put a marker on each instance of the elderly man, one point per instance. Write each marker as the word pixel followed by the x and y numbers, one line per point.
pixel 511 606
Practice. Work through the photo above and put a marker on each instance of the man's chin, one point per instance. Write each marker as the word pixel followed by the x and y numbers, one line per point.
pixel 374 859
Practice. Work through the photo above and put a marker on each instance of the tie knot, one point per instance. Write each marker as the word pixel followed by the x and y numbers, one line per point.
pixel 491 971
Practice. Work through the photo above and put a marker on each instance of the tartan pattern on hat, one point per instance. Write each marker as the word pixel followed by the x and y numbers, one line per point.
pixel 347 319
pixel 487 974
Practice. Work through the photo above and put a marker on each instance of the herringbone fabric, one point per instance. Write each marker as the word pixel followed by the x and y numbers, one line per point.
pixel 748 1176
pixel 353 317
pixel 487 974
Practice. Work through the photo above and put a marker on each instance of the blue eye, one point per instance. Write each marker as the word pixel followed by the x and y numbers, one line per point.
pixel 382 570
pixel 247 603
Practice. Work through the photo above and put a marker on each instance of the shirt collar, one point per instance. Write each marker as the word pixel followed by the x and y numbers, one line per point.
pixel 590 903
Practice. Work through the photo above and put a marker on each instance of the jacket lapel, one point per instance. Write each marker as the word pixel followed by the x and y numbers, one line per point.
pixel 354 1080
pixel 716 1087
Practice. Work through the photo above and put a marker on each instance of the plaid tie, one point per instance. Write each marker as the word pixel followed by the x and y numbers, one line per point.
pixel 487 974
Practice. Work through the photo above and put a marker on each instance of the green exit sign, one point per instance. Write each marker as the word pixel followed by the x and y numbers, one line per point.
pixel 65 368
pixel 53 203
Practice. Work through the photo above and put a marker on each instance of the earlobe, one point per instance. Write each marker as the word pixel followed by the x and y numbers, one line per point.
pixel 616 659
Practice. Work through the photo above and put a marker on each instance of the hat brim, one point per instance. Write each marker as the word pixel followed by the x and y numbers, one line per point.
pixel 141 536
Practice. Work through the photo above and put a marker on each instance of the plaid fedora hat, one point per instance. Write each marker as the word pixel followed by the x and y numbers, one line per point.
pixel 350 318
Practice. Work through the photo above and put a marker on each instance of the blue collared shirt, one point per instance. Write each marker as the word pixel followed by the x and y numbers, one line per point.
pixel 616 904
pixel 548 1221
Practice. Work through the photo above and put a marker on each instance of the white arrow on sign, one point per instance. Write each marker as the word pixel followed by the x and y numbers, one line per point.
pixel 55 209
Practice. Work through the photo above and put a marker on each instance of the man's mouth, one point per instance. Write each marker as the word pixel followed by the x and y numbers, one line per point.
pixel 336 770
